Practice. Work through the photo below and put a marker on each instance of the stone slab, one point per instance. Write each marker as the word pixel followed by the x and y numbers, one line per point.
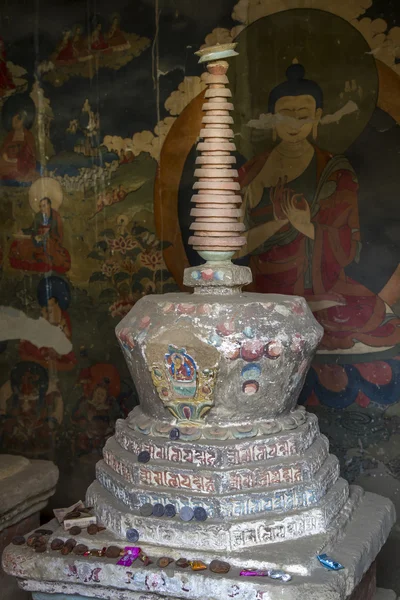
pixel 99 578
pixel 26 490
pixel 9 589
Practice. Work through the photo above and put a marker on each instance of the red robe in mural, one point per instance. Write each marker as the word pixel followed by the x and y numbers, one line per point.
pixel 48 357
pixel 6 80
pixel 43 250
pixel 291 263
pixel 18 157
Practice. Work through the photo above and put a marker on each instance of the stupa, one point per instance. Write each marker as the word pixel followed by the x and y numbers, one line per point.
pixel 222 481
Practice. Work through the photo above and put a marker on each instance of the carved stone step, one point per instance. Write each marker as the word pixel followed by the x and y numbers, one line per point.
pixel 248 532
pixel 213 453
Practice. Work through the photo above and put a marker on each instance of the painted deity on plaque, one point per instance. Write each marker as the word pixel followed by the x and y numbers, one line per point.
pixel 39 247
pixel 303 229
pixel 182 372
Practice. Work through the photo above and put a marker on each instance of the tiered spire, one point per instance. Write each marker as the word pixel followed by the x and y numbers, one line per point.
pixel 216 227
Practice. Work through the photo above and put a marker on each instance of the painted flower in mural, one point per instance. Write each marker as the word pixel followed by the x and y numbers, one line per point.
pixel 110 268
pixel 151 259
pixel 120 308
pixel 129 266
pixel 122 244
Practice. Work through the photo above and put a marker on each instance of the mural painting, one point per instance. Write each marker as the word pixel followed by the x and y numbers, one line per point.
pixel 100 114
pixel 301 194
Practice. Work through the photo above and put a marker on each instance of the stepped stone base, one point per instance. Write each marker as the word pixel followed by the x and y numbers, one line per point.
pixel 101 578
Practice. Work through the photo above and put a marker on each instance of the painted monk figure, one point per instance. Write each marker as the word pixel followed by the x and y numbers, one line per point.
pixel 303 231
pixel 18 151
pixel 42 251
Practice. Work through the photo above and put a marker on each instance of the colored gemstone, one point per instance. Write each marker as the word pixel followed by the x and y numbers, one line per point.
pixel 144 322
pixel 174 434
pixel 70 543
pixel 219 275
pixel 196 275
pixel 164 561
pixel 144 456
pixel 226 328
pixel 273 350
pixel 146 509
pixel 132 551
pixel 198 565
pixel 19 540
pixel 219 566
pixel 169 511
pixel 207 274
pixel 277 574
pixel 206 389
pixel 132 535
pixel 183 563
pixel 200 513
pixel 250 387
pixel 252 350
pixel 186 513
pixel 75 531
pixel 126 560
pixel 158 510
pixel 252 371
pixel 248 332
pixel 253 573
pixel 145 559
pixel 329 563
pixel 215 340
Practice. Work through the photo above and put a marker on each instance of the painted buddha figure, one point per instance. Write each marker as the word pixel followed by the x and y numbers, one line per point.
pixel 303 231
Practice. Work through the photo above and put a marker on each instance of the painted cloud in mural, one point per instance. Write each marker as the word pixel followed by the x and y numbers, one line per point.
pixel 267 121
pixel 384 43
pixel 15 325
pixel 152 141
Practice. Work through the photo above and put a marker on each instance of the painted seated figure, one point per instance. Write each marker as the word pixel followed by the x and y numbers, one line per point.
pixel 181 371
pixel 18 150
pixel 39 247
pixel 303 231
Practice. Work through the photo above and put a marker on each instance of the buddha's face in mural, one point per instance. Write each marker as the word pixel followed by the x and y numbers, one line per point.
pixel 295 117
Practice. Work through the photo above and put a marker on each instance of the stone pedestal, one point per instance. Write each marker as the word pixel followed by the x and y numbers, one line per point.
pixel 25 487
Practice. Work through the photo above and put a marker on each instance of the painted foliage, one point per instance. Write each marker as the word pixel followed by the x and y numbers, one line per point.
pixel 100 116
